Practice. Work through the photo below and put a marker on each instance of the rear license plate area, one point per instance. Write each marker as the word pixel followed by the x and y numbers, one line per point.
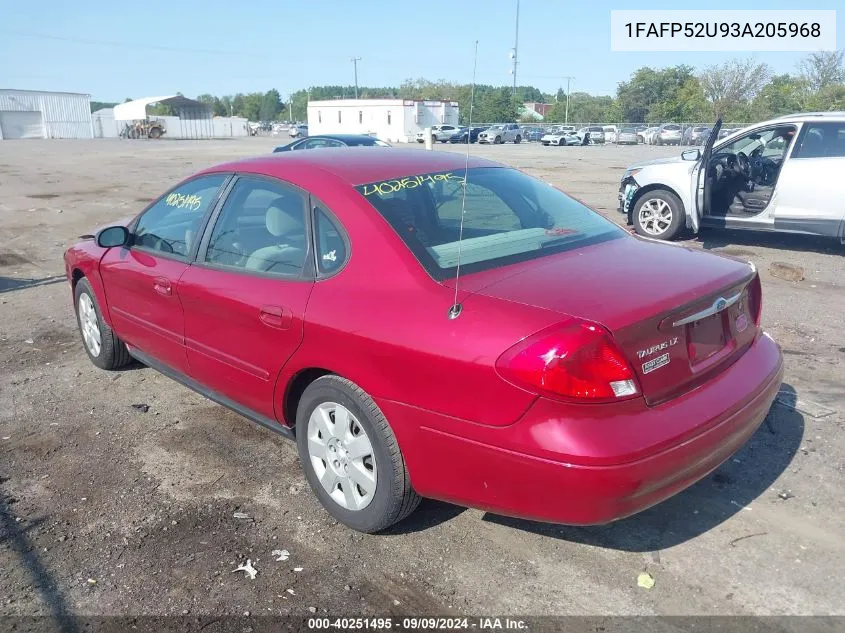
pixel 706 337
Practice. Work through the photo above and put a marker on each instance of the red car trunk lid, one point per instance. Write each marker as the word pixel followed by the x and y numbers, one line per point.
pixel 680 315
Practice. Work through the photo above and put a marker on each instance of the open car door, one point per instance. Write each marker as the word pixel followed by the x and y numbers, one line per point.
pixel 701 181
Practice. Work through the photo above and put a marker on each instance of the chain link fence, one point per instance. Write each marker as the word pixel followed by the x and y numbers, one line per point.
pixel 691 132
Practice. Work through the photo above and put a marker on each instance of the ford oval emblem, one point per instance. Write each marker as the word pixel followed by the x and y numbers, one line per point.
pixel 721 304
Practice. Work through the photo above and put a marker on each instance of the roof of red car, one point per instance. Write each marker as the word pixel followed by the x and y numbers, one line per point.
pixel 358 165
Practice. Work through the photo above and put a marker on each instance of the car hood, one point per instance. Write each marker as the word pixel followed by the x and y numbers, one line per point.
pixel 658 161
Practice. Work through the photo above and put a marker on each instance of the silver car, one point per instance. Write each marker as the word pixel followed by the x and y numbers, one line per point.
pixel 504 133
pixel 668 134
pixel 779 175
pixel 627 136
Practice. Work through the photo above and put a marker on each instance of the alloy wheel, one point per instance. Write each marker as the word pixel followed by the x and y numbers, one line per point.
pixel 655 216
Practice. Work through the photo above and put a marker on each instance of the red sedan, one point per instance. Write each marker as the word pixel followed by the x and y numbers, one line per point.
pixel 533 360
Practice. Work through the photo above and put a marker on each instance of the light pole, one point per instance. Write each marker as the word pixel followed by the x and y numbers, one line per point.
pixel 516 48
pixel 566 112
pixel 355 61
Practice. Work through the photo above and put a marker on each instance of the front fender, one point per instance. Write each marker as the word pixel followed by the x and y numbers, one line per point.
pixel 83 260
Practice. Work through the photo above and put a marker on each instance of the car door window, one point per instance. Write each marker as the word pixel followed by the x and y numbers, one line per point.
pixel 261 228
pixel 821 140
pixel 170 225
pixel 331 243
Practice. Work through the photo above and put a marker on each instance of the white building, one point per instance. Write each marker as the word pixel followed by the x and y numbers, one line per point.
pixel 37 114
pixel 105 126
pixel 392 120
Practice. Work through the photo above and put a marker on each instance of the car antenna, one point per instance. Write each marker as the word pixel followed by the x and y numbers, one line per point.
pixel 455 310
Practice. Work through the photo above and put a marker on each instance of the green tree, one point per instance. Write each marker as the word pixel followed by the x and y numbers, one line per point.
pixel 823 69
pixel 99 105
pixel 653 95
pixel 731 86
pixel 271 106
pixel 497 106
pixel 782 95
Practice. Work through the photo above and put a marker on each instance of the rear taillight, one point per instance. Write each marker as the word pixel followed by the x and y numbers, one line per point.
pixel 755 299
pixel 577 360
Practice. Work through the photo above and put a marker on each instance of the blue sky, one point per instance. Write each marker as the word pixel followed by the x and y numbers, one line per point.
pixel 224 47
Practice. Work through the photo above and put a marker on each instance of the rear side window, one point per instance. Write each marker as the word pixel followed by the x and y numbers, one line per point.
pixel 170 225
pixel 821 140
pixel 331 245
pixel 508 217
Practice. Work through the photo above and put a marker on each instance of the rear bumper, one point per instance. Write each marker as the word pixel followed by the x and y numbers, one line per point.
pixel 580 465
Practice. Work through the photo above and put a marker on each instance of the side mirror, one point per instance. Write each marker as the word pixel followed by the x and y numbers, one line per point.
pixel 113 236
pixel 691 154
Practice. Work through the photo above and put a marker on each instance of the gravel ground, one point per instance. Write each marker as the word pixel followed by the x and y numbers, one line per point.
pixel 110 510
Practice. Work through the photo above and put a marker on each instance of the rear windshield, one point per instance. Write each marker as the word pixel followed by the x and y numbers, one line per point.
pixel 596 129
pixel 627 130
pixel 508 217
pixel 671 128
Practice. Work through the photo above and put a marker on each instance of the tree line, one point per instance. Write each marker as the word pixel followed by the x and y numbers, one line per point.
pixel 739 90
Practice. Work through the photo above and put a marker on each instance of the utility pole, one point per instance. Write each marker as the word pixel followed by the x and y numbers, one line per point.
pixel 516 48
pixel 355 61
pixel 290 108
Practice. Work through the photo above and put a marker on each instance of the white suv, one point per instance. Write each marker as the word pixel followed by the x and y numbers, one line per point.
pixel 778 175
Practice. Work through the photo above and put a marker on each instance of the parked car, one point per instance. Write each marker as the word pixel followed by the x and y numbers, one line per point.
pixel 668 134
pixel 439 133
pixel 596 134
pixel 333 140
pixel 461 135
pixel 648 135
pixel 695 135
pixel 778 175
pixel 627 136
pixel 313 293
pixel 611 132
pixel 561 138
pixel 534 133
pixel 504 133
pixel 298 131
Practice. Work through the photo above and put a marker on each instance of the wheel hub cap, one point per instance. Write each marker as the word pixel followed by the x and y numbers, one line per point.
pixel 342 456
pixel 89 325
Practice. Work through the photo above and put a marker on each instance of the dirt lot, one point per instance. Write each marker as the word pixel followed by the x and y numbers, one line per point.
pixel 107 509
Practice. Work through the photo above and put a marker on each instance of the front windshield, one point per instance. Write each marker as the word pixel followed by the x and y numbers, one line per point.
pixel 508 217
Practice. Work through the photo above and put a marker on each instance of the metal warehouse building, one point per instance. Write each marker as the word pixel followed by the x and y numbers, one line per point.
pixel 36 114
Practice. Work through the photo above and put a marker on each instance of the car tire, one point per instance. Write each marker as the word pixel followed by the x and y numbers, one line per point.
pixel 498 140
pixel 102 345
pixel 392 498
pixel 518 139
pixel 654 204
